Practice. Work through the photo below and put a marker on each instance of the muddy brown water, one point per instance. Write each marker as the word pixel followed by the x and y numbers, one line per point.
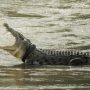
pixel 53 24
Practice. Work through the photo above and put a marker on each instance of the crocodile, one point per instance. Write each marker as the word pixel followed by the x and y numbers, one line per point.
pixel 31 55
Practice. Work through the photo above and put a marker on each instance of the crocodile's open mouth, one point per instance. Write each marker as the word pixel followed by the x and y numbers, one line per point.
pixel 20 46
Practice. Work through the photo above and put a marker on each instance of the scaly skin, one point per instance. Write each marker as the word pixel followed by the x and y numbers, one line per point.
pixel 29 54
pixel 52 57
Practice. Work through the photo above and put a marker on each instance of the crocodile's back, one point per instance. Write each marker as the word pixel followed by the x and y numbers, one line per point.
pixel 65 57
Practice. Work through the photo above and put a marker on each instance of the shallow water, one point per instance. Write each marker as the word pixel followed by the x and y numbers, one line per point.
pixel 53 24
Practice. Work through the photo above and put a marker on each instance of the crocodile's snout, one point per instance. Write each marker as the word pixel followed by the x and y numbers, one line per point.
pixel 5 24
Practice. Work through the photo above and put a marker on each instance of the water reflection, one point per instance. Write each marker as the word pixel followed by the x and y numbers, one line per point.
pixel 46 77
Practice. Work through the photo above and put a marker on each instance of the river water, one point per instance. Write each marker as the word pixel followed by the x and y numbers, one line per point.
pixel 53 24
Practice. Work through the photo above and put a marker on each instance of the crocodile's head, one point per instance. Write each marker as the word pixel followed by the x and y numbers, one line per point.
pixel 20 46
